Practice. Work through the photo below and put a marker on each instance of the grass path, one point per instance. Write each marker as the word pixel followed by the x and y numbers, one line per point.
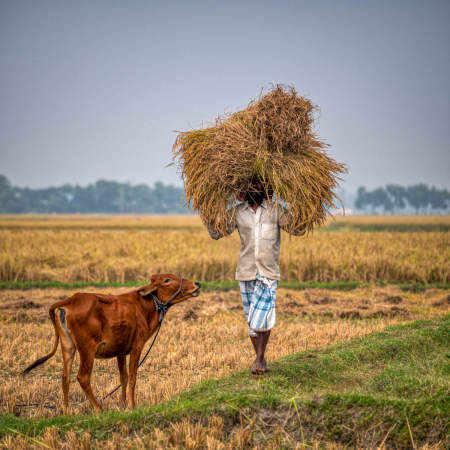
pixel 223 285
pixel 391 385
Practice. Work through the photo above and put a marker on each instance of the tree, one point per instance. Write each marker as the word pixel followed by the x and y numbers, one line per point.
pixel 439 199
pixel 361 198
pixel 379 198
pixel 397 195
pixel 5 193
pixel 418 196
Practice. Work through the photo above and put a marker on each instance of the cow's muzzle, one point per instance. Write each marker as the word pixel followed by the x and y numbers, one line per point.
pixel 196 291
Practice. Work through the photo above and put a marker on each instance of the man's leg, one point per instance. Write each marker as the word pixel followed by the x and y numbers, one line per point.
pixel 255 342
pixel 262 320
pixel 260 344
pixel 247 288
pixel 265 340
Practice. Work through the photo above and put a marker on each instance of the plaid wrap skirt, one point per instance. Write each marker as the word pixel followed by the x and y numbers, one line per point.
pixel 258 300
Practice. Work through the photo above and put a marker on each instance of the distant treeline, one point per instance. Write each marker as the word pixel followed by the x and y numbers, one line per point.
pixel 101 197
pixel 124 198
pixel 393 198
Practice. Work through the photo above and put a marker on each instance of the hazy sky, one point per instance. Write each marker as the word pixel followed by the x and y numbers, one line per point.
pixel 95 89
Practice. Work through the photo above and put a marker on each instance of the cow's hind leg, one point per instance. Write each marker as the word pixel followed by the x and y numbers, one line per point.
pixel 68 355
pixel 122 363
pixel 84 375
pixel 68 352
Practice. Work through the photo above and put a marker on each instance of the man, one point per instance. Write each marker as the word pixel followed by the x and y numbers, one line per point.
pixel 258 221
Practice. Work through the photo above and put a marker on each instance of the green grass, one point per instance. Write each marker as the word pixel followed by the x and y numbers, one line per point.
pixel 332 227
pixel 387 227
pixel 346 393
pixel 102 227
pixel 222 285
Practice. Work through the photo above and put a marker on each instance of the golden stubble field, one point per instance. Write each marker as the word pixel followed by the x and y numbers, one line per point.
pixel 119 249
pixel 204 337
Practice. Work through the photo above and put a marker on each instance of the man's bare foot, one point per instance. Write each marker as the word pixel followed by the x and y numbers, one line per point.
pixel 259 368
pixel 265 368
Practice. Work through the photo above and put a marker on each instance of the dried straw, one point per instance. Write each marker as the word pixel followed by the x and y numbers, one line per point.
pixel 272 139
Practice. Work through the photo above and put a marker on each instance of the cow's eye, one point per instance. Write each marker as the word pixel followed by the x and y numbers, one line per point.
pixel 167 280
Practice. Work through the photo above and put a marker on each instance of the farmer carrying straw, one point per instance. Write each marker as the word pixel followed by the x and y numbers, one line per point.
pixel 258 223
pixel 259 170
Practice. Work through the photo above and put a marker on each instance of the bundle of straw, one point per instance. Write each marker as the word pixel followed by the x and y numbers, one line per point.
pixel 272 140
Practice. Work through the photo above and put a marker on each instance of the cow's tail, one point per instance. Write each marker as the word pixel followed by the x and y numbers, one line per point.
pixel 42 360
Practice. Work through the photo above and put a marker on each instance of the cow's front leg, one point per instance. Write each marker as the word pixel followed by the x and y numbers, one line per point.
pixel 122 363
pixel 133 367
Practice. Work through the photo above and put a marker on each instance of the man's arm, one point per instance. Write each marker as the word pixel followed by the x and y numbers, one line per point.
pixel 217 234
pixel 284 223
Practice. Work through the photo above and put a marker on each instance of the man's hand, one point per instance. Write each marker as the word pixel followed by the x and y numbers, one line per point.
pixel 217 234
pixel 285 224
pixel 213 233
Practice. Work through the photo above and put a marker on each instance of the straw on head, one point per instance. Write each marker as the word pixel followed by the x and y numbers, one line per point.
pixel 272 139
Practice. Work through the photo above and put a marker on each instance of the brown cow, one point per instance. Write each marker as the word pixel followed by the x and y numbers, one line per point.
pixel 107 326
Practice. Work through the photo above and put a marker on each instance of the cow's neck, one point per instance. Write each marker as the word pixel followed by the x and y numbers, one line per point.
pixel 150 313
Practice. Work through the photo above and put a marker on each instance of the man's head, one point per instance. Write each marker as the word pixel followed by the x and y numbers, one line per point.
pixel 254 192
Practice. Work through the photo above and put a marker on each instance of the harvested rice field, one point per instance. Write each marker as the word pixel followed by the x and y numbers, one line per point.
pixel 204 340
pixel 122 249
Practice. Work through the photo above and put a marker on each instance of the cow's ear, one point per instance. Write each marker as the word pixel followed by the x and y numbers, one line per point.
pixel 147 290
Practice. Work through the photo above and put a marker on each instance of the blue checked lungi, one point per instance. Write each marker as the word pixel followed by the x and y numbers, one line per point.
pixel 258 300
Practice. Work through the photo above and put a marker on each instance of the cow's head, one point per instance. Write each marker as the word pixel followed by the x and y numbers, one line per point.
pixel 164 286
